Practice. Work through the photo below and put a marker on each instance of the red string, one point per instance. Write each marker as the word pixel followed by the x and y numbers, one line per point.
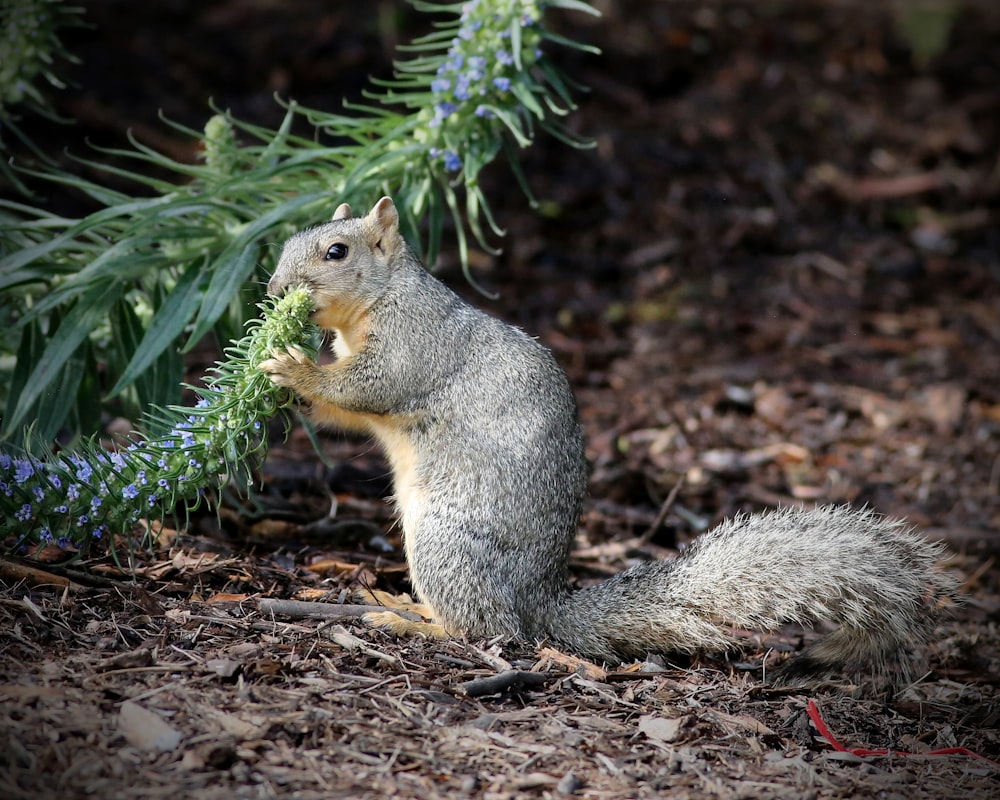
pixel 824 731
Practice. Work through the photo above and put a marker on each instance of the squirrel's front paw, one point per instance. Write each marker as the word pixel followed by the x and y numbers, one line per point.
pixel 287 368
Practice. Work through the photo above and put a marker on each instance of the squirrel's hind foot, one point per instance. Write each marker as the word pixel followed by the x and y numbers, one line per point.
pixel 395 602
pixel 391 620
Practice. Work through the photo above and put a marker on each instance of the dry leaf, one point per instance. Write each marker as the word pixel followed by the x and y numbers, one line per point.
pixel 661 729
pixel 223 667
pixel 574 664
pixel 222 597
pixel 736 722
pixel 331 565
pixel 943 404
pixel 773 404
pixel 146 730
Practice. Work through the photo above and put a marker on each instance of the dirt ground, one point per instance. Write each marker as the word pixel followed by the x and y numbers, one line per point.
pixel 776 279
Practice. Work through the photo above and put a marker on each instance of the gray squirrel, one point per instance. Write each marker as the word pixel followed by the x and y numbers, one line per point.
pixel 481 431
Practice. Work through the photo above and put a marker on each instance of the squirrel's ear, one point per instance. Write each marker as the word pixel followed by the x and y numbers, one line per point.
pixel 343 212
pixel 384 222
pixel 384 214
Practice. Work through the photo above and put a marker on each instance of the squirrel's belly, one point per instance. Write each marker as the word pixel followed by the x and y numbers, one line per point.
pixel 410 498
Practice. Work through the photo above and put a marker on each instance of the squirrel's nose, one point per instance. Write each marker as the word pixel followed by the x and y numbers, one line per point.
pixel 275 287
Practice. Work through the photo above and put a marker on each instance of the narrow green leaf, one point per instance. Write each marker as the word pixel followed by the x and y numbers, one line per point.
pixel 167 324
pixel 75 327
pixel 29 352
pixel 574 5
pixel 232 269
pixel 55 404
pixel 570 43
pixel 528 100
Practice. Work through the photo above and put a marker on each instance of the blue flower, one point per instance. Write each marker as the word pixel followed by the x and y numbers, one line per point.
pixel 477 62
pixel 153 500
pixel 83 474
pixel 23 514
pixel 23 469
pixel 5 461
pixel 55 481
pixel 502 83
pixel 162 463
pixel 45 536
pixel 73 492
pixel 141 476
pixel 39 493
pixel 95 503
pixel 99 531
pixel 442 111
pixel 5 488
pixel 504 57
pixel 452 162
pixel 163 483
pixel 130 492
pixel 64 542
pixel 117 462
pixel 82 520
pixel 61 510
pixel 440 85
pixel 484 112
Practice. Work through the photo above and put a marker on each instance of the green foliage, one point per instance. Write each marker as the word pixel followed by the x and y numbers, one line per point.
pixel 75 498
pixel 138 283
pixel 29 45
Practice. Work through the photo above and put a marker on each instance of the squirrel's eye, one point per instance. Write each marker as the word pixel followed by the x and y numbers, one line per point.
pixel 337 251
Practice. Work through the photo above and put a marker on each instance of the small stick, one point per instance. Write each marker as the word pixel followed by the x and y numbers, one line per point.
pixel 510 679
pixel 22 572
pixel 662 515
pixel 298 609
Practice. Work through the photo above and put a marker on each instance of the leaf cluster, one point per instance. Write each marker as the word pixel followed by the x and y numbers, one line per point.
pixel 105 307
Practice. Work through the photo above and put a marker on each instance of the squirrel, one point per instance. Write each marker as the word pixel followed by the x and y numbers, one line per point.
pixel 481 431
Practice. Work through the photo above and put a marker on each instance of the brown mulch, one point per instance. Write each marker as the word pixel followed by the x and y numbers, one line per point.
pixel 775 280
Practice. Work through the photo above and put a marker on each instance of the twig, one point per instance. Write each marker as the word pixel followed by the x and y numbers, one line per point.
pixel 549 655
pixel 300 608
pixel 36 577
pixel 664 510
pixel 502 681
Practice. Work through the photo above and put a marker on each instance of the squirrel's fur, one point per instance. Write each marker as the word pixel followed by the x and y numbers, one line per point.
pixel 481 431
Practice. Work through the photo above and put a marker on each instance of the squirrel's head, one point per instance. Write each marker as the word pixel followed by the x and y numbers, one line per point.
pixel 346 263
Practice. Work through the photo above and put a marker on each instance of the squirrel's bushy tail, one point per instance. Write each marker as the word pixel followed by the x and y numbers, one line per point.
pixel 873 576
